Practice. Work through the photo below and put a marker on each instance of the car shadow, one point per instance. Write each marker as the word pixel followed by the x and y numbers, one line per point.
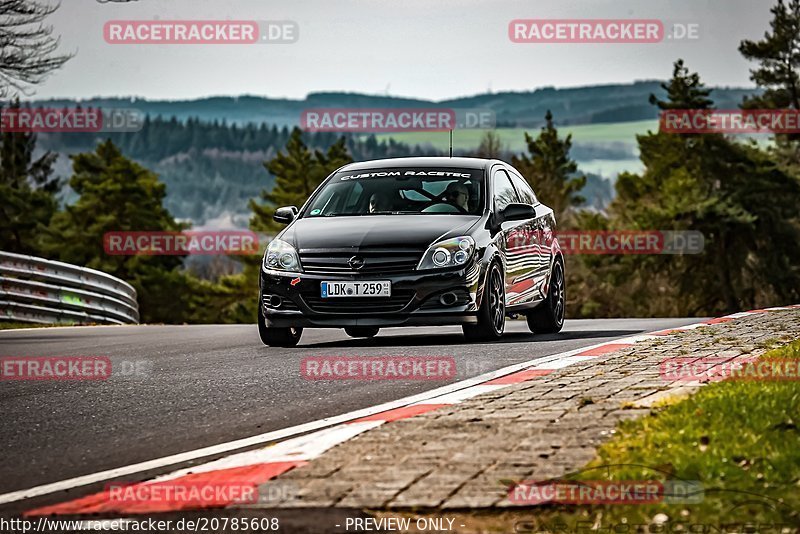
pixel 410 340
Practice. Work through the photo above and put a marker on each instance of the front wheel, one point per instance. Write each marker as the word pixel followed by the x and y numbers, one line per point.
pixel 492 313
pixel 361 331
pixel 548 317
pixel 277 337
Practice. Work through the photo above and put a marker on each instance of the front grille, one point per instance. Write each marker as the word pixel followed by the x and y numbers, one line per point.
pixel 376 260
pixel 359 305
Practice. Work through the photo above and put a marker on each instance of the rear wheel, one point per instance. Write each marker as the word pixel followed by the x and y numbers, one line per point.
pixel 492 313
pixel 548 317
pixel 277 337
pixel 362 331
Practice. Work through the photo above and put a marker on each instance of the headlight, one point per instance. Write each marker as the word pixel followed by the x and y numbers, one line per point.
pixel 448 253
pixel 281 256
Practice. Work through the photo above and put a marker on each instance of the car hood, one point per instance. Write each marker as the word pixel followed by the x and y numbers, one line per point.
pixel 376 230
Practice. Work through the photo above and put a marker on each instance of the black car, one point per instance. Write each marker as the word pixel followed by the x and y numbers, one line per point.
pixel 412 242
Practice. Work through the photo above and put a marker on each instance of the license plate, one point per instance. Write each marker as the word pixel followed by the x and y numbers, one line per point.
pixel 374 288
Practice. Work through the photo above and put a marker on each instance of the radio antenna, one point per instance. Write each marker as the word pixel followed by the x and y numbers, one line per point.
pixel 451 142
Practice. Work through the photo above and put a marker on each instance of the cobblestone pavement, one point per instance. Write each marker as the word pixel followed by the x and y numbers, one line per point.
pixel 457 456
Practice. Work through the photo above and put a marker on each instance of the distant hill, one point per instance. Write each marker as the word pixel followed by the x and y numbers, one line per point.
pixel 211 170
pixel 211 154
pixel 579 105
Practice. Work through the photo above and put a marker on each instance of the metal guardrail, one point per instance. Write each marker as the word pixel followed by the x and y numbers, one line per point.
pixel 36 290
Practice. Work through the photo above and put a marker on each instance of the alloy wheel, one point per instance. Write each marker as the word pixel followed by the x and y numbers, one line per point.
pixel 496 301
pixel 559 293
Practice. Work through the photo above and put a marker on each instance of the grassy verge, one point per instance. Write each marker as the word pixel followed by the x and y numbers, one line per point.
pixel 738 439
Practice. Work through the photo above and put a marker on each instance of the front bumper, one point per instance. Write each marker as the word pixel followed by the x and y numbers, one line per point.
pixel 415 300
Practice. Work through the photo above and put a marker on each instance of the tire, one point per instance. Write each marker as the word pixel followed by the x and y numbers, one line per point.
pixel 492 313
pixel 277 337
pixel 548 317
pixel 362 331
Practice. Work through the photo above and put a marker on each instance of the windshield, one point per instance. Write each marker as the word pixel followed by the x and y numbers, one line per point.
pixel 400 191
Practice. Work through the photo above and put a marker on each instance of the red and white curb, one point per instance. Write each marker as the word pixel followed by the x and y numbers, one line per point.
pixel 255 467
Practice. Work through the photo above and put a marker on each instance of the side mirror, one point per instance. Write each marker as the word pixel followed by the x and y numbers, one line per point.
pixel 285 215
pixel 517 212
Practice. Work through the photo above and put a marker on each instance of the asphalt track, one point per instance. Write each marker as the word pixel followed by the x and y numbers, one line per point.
pixel 181 388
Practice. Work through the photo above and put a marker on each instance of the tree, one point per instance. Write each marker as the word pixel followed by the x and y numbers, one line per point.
pixel 778 74
pixel 491 147
pixel 28 190
pixel 550 171
pixel 27 47
pixel 297 173
pixel 684 91
pixel 733 193
pixel 778 55
pixel 117 194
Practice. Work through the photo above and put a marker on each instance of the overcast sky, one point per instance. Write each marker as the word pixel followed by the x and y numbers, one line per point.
pixel 433 49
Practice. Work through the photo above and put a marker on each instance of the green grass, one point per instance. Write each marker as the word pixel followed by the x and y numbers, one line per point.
pixel 739 439
pixel 514 138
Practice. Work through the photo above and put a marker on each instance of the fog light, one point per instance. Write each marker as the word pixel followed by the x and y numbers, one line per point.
pixel 448 299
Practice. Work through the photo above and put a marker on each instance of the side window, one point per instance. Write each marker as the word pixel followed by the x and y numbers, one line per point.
pixel 504 193
pixel 524 190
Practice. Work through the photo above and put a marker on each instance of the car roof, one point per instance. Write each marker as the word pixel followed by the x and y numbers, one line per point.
pixel 436 162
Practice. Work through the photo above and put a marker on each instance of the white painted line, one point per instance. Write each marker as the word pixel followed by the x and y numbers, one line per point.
pixel 290 431
pixel 302 448
pixel 690 326
pixel 740 315
pixel 563 362
pixel 463 394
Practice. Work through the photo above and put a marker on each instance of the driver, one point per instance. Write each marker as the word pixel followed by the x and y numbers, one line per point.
pixel 458 194
pixel 378 202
